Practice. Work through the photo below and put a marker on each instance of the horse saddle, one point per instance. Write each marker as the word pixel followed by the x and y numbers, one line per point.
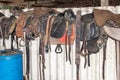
pixel 32 27
pixel 20 22
pixel 89 29
pixel 94 45
pixel 89 32
pixel 102 16
pixel 7 26
pixel 60 24
pixel 36 22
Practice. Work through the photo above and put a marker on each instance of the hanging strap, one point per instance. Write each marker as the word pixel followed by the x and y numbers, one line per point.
pixel 41 55
pixel 70 27
pixel 1 31
pixel 104 58
pixel 77 43
pixel 27 57
pixel 66 40
pixel 48 32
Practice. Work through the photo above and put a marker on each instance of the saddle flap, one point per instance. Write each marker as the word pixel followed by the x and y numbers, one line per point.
pixel 92 46
pixel 59 27
pixel 89 30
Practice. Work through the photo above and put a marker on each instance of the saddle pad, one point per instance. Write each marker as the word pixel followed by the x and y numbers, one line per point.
pixel 92 46
pixel 112 32
pixel 72 37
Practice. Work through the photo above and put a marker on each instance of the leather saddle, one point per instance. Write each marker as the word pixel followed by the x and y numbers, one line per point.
pixel 32 27
pixel 20 22
pixel 102 16
pixel 89 28
pixel 89 32
pixel 34 24
pixel 7 26
pixel 92 36
pixel 59 24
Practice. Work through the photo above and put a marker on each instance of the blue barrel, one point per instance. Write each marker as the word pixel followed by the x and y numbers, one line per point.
pixel 11 67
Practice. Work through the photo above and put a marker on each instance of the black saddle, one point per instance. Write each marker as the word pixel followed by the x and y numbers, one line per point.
pixel 89 29
pixel 59 25
pixel 93 36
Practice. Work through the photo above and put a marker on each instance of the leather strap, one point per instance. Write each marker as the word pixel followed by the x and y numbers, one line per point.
pixel 3 37
pixel 48 32
pixel 83 49
pixel 41 55
pixel 77 43
pixel 84 40
pixel 12 39
pixel 41 58
pixel 104 58
pixel 66 40
pixel 69 38
pixel 69 27
pixel 27 58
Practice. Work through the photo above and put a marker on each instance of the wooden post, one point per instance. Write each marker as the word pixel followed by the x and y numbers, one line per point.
pixel 104 2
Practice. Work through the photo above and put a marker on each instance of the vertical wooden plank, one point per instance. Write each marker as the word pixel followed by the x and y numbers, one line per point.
pixel 61 64
pixel 34 60
pixel 110 61
pixel 53 63
pixel 48 66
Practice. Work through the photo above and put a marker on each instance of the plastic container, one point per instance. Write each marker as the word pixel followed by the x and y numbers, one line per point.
pixel 11 67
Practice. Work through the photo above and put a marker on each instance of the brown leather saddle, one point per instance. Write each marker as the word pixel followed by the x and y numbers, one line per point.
pixel 21 20
pixel 30 23
pixel 102 16
pixel 7 27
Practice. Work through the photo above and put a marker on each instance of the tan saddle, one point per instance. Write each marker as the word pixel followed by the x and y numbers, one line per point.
pixel 102 16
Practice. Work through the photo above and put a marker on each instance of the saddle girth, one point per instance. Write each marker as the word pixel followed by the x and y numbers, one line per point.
pixel 77 43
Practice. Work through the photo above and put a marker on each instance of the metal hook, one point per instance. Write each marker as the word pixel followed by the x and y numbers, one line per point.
pixel 24 44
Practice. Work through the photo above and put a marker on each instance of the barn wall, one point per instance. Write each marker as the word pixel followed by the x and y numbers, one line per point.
pixel 56 66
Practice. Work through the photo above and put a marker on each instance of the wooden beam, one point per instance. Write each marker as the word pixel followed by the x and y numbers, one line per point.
pixel 11 1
